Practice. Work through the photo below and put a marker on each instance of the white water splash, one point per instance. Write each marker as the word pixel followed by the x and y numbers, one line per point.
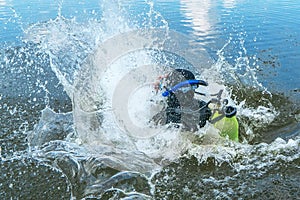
pixel 76 51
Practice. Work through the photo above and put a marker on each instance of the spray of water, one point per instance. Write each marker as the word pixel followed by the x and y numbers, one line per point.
pixel 107 66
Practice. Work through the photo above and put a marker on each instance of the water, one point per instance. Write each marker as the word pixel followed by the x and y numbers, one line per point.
pixel 76 76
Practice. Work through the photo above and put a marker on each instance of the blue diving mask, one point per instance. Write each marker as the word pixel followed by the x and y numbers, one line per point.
pixel 184 86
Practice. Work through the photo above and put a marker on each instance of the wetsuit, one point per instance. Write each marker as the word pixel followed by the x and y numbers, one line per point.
pixel 193 114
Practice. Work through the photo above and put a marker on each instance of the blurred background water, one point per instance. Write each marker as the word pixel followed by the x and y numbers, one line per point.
pixel 45 45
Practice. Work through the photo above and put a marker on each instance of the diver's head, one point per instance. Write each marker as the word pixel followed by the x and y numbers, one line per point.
pixel 179 75
pixel 180 86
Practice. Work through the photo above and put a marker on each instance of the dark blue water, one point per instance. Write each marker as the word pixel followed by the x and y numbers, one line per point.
pixel 55 81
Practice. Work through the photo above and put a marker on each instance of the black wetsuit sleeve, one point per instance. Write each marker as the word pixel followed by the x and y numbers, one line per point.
pixel 205 113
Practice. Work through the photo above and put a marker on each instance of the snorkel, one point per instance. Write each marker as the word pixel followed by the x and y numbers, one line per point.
pixel 184 86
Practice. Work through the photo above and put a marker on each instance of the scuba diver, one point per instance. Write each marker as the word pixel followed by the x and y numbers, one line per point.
pixel 182 108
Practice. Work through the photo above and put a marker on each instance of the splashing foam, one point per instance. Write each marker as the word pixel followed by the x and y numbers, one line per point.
pixel 75 57
pixel 244 157
pixel 110 120
pixel 92 73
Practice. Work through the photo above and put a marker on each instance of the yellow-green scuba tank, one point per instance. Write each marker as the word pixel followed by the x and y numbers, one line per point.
pixel 226 121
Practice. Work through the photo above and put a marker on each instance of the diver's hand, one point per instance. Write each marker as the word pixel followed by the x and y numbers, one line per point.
pixel 158 83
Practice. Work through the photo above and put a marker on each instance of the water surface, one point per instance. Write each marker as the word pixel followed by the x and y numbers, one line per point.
pixel 53 86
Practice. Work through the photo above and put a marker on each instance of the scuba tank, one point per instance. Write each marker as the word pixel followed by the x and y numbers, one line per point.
pixel 226 122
